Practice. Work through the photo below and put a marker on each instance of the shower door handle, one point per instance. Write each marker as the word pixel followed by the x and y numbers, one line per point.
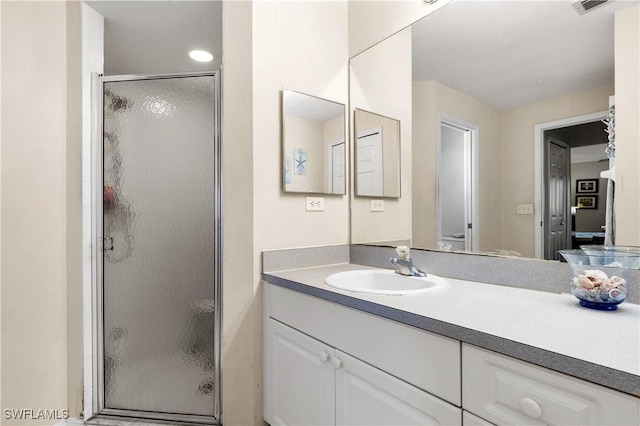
pixel 108 244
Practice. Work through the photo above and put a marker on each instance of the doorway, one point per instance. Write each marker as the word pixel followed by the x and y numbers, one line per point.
pixel 557 183
pixel 158 277
pixel 457 224
pixel 559 214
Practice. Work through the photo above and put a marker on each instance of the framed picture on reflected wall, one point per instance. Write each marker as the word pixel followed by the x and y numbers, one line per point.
pixel 587 186
pixel 587 201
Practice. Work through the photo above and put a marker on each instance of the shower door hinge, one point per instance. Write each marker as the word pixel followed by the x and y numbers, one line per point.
pixel 108 244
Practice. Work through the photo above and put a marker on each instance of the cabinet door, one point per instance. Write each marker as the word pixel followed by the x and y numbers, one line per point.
pixel 506 391
pixel 368 396
pixel 301 379
pixel 469 419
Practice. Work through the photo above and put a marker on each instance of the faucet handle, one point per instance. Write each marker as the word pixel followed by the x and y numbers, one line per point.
pixel 403 252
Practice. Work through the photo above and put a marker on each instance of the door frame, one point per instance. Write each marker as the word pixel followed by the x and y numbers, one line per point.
pixel 471 192
pixel 539 168
pixel 95 338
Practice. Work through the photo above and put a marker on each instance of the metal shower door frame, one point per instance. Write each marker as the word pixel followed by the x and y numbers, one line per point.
pixel 98 260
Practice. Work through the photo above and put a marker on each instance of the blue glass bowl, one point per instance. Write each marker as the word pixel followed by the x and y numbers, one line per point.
pixel 600 276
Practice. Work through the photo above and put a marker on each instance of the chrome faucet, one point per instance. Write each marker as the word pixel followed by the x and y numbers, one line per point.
pixel 404 265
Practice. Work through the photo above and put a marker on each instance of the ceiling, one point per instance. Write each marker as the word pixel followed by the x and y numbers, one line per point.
pixel 310 107
pixel 588 154
pixel 512 53
pixel 155 37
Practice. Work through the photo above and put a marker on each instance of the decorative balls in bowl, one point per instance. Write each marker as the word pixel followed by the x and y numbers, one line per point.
pixel 600 277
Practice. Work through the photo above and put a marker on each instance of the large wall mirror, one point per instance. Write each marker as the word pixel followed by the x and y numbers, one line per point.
pixel 313 144
pixel 377 155
pixel 490 98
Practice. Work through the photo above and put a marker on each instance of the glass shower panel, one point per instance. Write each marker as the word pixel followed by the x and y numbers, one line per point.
pixel 159 256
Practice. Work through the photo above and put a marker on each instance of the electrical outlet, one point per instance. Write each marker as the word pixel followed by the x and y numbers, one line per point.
pixel 524 209
pixel 377 205
pixel 314 204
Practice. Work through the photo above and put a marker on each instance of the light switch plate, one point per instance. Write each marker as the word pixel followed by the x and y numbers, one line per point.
pixel 377 205
pixel 314 204
pixel 524 209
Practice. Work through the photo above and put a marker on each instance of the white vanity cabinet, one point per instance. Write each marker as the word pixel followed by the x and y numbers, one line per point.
pixel 360 373
pixel 506 391
pixel 314 384
pixel 326 363
pixel 469 419
pixel 301 383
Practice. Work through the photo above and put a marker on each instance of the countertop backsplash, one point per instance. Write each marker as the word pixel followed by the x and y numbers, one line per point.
pixel 533 274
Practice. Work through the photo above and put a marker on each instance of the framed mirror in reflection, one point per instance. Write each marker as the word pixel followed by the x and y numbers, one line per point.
pixel 536 74
pixel 377 155
pixel 313 144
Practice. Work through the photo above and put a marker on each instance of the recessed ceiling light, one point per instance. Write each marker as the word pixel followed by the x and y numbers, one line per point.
pixel 201 56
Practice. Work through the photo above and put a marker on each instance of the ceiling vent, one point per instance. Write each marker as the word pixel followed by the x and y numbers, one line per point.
pixel 584 6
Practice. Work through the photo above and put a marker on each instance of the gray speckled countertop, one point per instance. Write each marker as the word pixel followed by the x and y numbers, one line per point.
pixel 547 329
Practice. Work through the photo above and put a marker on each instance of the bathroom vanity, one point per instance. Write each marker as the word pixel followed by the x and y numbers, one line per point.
pixel 474 354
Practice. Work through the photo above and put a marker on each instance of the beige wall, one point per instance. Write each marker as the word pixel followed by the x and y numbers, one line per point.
pixel 517 158
pixel 40 206
pixel 303 133
pixel 241 335
pixel 292 48
pixel 313 62
pixel 430 98
pixel 627 80
pixel 381 82
pixel 372 21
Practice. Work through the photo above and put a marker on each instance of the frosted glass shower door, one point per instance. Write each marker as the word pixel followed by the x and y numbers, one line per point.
pixel 159 257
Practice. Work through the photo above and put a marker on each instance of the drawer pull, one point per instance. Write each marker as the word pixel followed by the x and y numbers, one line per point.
pixel 337 363
pixel 324 356
pixel 531 408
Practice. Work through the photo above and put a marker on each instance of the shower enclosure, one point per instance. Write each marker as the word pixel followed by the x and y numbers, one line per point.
pixel 157 296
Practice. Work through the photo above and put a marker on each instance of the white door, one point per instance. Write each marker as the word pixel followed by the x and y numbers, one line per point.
pixel 368 396
pixel 369 178
pixel 302 378
pixel 558 227
pixel 338 169
pixel 455 187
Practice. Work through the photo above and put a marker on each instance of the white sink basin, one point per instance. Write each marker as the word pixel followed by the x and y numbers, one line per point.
pixel 374 281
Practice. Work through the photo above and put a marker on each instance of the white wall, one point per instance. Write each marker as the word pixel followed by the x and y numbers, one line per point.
pixel 381 83
pixel 92 62
pixel 627 83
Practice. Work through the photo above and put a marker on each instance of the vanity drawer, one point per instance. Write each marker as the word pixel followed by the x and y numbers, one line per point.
pixel 503 390
pixel 425 360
